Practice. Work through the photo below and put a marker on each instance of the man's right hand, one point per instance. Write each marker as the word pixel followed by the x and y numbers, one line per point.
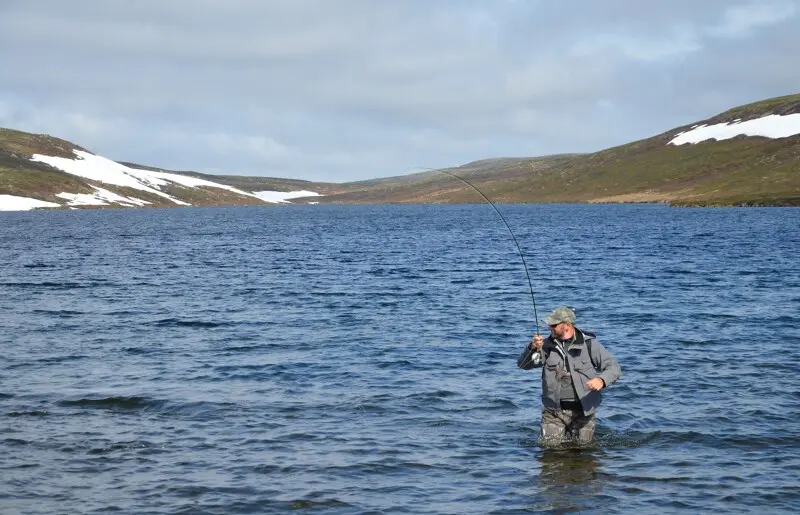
pixel 536 342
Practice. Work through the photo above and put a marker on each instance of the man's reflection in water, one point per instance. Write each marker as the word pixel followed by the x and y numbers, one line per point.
pixel 569 479
pixel 567 467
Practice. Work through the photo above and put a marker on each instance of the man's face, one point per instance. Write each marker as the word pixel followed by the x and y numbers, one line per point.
pixel 562 331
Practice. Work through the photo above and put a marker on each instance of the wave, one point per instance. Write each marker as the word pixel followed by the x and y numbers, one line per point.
pixel 241 348
pixel 52 285
pixel 744 441
pixel 39 265
pixel 177 322
pixel 116 402
pixel 15 441
pixel 35 413
pixel 437 395
pixel 58 312
pixel 62 359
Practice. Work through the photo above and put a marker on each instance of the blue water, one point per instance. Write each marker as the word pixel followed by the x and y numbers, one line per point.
pixel 361 359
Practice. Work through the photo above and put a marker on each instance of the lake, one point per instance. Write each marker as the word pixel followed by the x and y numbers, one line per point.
pixel 362 359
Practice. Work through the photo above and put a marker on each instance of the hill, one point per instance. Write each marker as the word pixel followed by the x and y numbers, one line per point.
pixel 754 160
pixel 40 171
pixel 748 155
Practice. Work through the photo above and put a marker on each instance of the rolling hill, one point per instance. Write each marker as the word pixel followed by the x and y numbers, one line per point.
pixel 39 171
pixel 749 155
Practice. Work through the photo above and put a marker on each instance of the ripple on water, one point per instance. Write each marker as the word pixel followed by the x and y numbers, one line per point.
pixel 361 359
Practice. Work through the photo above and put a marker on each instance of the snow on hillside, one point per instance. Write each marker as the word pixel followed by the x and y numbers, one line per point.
pixel 14 203
pixel 100 197
pixel 97 168
pixel 771 126
pixel 279 197
pixel 103 197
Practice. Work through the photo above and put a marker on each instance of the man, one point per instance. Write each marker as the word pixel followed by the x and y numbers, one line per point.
pixel 575 367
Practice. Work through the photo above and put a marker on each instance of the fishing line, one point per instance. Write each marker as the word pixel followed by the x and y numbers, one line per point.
pixel 524 264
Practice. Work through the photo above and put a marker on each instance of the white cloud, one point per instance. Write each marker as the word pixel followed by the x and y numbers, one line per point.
pixel 344 90
pixel 256 146
pixel 741 20
pixel 647 48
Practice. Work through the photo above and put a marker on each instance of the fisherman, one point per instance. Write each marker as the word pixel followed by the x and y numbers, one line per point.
pixel 575 367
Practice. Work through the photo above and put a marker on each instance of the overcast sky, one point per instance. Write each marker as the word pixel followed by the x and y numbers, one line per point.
pixel 340 90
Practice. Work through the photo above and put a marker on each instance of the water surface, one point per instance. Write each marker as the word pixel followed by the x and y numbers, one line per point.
pixel 361 359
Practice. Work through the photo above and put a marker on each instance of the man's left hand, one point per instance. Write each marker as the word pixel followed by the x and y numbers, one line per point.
pixel 596 384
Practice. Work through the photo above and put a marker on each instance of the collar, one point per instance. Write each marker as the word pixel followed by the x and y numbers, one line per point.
pixel 577 339
pixel 561 349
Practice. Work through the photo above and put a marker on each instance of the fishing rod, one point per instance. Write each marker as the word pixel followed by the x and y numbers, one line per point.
pixel 524 264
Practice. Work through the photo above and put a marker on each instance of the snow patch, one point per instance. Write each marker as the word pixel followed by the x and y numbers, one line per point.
pixel 771 126
pixel 100 197
pixel 283 197
pixel 14 203
pixel 97 168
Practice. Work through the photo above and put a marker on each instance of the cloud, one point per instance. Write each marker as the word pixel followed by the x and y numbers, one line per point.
pixel 640 48
pixel 228 145
pixel 742 20
pixel 354 89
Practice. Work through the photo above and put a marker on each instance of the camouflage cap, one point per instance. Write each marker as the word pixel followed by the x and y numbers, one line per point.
pixel 559 315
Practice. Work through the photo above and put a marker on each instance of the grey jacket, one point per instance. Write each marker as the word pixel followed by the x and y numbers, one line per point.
pixel 582 367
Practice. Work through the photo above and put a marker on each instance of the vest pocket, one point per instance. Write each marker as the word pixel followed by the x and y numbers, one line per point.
pixel 584 366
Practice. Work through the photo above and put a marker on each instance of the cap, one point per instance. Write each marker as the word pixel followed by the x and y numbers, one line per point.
pixel 559 315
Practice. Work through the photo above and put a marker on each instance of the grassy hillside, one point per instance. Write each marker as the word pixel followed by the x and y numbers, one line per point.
pixel 253 183
pixel 742 170
pixel 22 177
pixel 738 171
pixel 437 187
pixel 19 176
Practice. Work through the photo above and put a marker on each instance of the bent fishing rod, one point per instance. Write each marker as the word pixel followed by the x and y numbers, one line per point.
pixel 516 243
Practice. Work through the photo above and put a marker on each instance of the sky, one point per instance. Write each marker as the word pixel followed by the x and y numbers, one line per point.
pixel 344 90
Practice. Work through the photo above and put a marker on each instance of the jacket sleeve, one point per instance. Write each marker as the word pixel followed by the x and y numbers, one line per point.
pixel 530 358
pixel 606 363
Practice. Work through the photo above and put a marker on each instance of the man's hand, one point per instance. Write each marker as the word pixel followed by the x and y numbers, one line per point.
pixel 536 342
pixel 596 383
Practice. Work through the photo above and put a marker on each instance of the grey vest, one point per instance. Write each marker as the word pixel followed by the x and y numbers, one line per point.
pixel 587 359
